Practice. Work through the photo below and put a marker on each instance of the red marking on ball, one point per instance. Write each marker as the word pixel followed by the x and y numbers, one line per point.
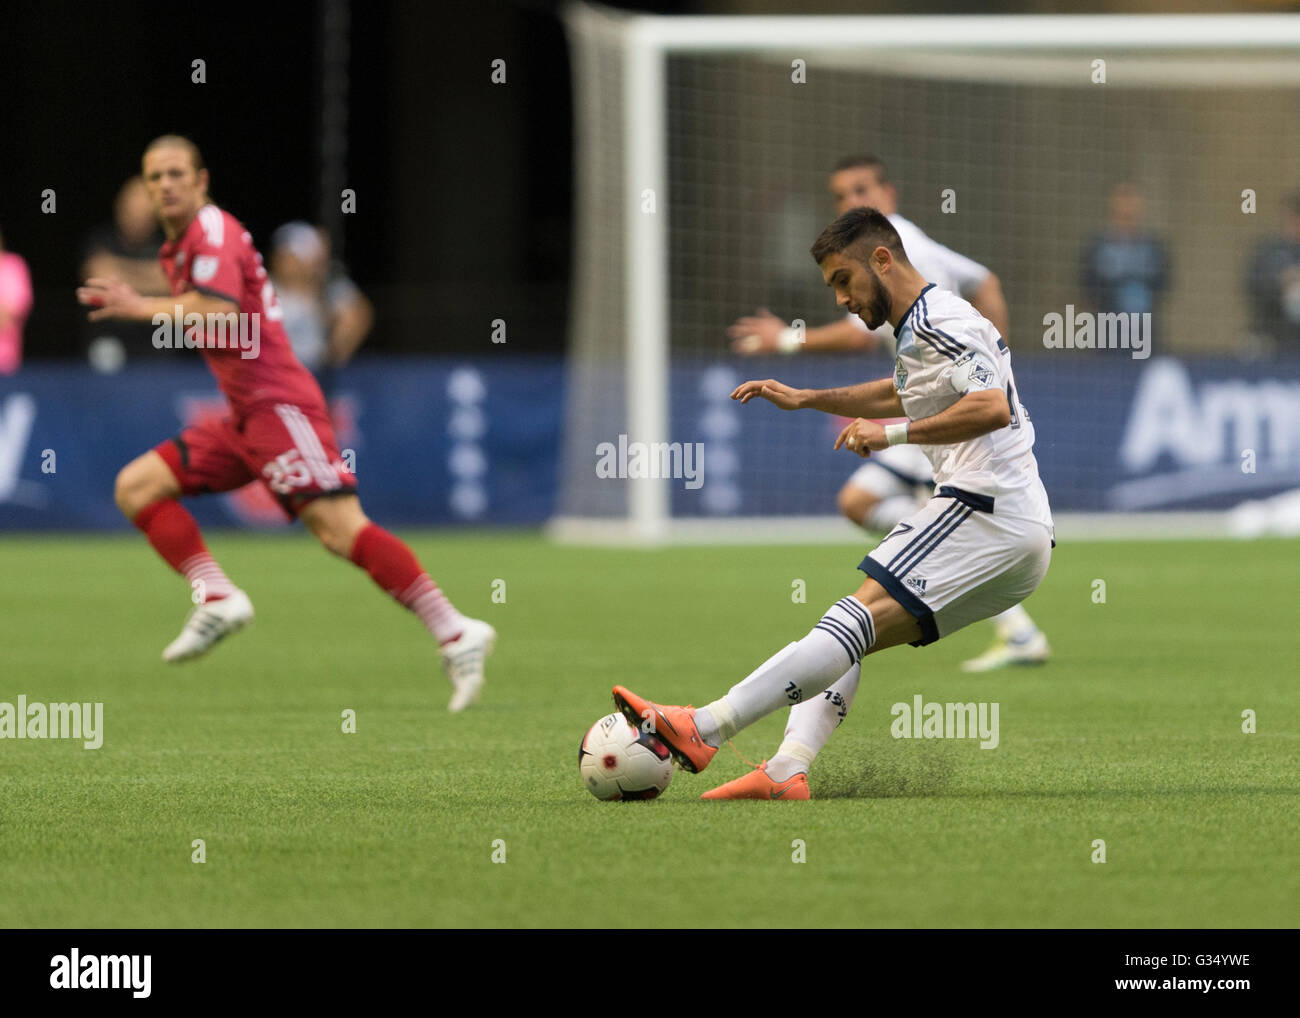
pixel 610 761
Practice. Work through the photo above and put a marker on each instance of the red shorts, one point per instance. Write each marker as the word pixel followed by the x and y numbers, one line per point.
pixel 289 449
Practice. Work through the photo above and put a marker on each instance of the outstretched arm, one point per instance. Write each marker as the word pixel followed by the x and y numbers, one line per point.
pixel 870 399
pixel 765 333
pixel 976 413
pixel 114 299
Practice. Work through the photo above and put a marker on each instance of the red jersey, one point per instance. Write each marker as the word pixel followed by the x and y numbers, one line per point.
pixel 251 359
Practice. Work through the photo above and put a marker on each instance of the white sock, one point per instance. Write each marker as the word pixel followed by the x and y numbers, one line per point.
pixel 1014 623
pixel 206 578
pixel 800 670
pixel 440 617
pixel 811 724
pixel 889 512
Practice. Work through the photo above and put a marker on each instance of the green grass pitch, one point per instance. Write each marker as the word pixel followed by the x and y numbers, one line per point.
pixel 1132 734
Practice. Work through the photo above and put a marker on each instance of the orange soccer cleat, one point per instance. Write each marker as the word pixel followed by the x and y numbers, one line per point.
pixel 673 726
pixel 757 785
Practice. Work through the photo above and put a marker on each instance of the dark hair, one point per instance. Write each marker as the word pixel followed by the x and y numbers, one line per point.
pixel 865 162
pixel 861 226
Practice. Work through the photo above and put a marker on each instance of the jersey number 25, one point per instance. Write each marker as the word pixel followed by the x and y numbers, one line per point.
pixel 286 472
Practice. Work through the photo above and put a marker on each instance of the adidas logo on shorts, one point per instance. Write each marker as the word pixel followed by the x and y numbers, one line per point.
pixel 915 584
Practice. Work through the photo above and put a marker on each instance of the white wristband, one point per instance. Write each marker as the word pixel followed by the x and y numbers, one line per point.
pixel 896 434
pixel 790 339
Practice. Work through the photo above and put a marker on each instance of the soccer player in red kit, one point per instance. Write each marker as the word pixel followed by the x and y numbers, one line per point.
pixel 278 430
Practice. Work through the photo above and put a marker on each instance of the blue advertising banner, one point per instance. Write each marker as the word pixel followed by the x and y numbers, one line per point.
pixel 431 440
pixel 455 440
pixel 1112 433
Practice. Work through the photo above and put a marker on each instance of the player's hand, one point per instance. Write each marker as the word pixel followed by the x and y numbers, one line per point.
pixel 784 396
pixel 112 298
pixel 757 333
pixel 863 437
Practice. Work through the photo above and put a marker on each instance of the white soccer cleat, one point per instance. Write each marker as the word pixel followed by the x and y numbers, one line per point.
pixel 1029 650
pixel 463 661
pixel 207 624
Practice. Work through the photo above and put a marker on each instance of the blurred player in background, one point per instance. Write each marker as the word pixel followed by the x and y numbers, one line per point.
pixel 125 249
pixel 326 315
pixel 1273 282
pixel 1126 266
pixel 15 306
pixel 278 431
pixel 896 480
pixel 981 544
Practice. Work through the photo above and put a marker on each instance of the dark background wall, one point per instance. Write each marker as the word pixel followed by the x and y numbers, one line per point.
pixel 463 186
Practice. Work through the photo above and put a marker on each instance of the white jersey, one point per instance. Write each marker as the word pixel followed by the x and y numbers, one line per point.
pixel 946 349
pixel 940 265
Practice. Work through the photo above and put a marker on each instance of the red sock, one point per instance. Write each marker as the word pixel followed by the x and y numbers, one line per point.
pixel 176 537
pixel 393 566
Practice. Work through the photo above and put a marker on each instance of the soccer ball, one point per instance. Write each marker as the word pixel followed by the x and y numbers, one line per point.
pixel 618 761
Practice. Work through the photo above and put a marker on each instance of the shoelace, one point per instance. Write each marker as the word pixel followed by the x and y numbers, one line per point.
pixel 202 619
pixel 460 664
pixel 742 756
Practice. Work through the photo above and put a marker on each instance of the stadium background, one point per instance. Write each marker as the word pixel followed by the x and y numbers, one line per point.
pixel 465 217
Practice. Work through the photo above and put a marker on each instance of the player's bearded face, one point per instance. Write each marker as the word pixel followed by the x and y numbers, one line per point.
pixel 873 299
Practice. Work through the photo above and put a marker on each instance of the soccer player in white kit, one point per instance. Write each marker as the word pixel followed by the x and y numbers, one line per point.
pixel 981 544
pixel 891 485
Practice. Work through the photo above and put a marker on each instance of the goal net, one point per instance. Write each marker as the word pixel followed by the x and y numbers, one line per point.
pixel 703 149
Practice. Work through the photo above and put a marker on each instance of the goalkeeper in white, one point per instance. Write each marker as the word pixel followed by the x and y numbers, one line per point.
pixel 981 544
pixel 890 486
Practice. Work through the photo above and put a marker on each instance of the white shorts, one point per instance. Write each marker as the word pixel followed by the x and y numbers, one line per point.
pixel 954 562
pixel 898 470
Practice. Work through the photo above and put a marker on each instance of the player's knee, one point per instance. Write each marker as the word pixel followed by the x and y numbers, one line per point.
pixel 334 540
pixel 855 503
pixel 335 524
pixel 326 532
pixel 134 488
pixel 893 623
pixel 122 491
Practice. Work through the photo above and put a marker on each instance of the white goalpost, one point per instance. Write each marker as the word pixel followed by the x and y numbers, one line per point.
pixel 702 149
